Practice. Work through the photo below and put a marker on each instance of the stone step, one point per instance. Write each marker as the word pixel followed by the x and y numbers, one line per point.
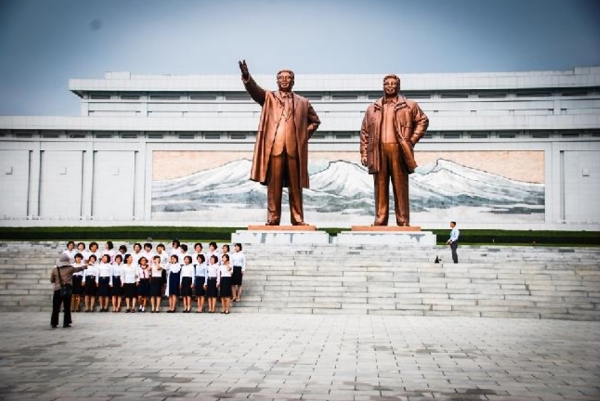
pixel 505 282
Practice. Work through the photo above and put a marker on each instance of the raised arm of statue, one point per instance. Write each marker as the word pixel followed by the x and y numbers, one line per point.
pixel 256 92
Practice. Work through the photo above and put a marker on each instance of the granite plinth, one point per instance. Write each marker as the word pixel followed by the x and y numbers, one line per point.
pixel 280 235
pixel 282 228
pixel 387 237
pixel 386 228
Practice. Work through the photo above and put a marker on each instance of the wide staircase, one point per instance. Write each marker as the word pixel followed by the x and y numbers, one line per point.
pixel 489 281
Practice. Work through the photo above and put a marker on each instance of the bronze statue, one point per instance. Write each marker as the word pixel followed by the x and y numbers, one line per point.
pixel 390 129
pixel 280 157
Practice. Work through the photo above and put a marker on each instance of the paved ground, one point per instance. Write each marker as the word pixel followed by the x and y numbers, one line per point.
pixel 262 357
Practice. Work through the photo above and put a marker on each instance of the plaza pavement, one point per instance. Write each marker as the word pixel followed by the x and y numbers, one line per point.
pixel 241 356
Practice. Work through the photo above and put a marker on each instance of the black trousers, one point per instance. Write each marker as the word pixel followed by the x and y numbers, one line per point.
pixel 57 301
pixel 454 247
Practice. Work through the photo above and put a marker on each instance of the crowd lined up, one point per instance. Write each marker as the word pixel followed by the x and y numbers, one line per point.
pixel 130 278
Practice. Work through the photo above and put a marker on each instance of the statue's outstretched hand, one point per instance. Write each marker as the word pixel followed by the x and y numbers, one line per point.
pixel 244 69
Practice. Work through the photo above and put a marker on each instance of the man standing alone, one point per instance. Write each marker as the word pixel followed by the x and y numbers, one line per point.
pixel 391 128
pixel 453 241
pixel 280 157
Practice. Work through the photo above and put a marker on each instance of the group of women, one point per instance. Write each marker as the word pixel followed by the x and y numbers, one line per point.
pixel 144 273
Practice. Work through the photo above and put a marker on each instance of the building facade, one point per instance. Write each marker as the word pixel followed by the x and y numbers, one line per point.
pixel 518 150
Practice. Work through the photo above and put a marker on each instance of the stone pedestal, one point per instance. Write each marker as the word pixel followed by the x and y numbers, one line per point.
pixel 386 235
pixel 280 235
pixel 385 229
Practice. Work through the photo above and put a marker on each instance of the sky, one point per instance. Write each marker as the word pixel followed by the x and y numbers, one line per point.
pixel 44 43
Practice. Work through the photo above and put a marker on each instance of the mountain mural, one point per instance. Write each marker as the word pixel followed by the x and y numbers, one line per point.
pixel 345 187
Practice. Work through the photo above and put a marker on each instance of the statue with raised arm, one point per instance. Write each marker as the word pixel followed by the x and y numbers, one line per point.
pixel 391 128
pixel 280 157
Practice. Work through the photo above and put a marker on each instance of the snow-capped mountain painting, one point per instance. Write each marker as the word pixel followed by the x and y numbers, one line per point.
pixel 343 192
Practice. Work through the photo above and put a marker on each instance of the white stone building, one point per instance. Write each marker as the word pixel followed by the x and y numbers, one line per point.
pixel 503 150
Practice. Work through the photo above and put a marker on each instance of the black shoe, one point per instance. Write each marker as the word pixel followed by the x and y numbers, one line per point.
pixel 54 326
pixel 67 326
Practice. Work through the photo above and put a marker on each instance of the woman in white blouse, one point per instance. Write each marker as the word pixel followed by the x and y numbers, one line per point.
pixel 187 282
pixel 156 283
pixel 143 287
pixel 109 249
pixel 117 287
pixel 77 283
pixel 238 260
pixel 104 282
pixel 211 283
pixel 129 280
pixel 174 269
pixel 224 283
pixel 201 267
pixel 89 277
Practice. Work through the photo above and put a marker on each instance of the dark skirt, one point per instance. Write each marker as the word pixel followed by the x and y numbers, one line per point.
pixel 211 287
pixel 186 286
pixel 236 276
pixel 174 283
pixel 200 292
pixel 129 290
pixel 90 286
pixel 156 284
pixel 116 290
pixel 144 288
pixel 225 287
pixel 77 285
pixel 104 286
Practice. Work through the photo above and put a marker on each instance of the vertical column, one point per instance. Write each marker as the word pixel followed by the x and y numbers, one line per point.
pixel 144 105
pixel 85 107
pixel 553 183
pixel 141 174
pixel 562 186
pixel 87 184
pixel 148 180
pixel 35 171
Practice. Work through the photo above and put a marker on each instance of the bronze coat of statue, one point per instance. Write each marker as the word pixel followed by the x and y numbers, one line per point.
pixel 390 129
pixel 280 157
